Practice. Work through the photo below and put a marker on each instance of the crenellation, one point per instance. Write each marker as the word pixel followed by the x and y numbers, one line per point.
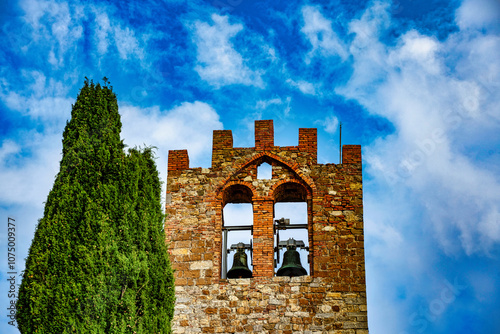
pixel 178 160
pixel 264 135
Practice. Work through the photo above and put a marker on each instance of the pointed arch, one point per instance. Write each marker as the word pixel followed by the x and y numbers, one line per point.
pixel 269 157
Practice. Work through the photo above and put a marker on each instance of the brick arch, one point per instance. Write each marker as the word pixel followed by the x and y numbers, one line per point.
pixel 262 156
pixel 276 186
pixel 230 184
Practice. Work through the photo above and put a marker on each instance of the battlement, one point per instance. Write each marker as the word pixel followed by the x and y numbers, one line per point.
pixel 222 147
pixel 178 160
pixel 222 139
pixel 351 154
pixel 264 135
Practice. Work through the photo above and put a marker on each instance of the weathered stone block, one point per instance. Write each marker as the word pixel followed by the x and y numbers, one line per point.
pixel 197 265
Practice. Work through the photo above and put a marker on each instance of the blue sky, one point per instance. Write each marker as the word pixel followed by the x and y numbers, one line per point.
pixel 415 82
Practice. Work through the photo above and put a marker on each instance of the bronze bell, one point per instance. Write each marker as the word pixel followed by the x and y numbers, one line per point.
pixel 240 265
pixel 291 262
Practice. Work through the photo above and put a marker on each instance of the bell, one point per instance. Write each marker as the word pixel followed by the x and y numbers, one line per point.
pixel 240 266
pixel 291 263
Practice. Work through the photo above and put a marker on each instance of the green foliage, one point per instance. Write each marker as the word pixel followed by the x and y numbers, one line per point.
pixel 98 262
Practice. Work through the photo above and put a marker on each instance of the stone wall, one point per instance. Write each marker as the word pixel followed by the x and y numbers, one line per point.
pixel 331 299
pixel 273 305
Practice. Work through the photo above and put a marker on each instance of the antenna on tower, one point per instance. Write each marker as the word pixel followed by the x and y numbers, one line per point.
pixel 340 143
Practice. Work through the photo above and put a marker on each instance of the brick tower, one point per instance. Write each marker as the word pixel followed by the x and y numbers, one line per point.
pixel 331 298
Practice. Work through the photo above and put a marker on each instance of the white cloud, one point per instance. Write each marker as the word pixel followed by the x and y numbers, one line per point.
pixel 57 31
pixel 330 124
pixel 42 99
pixel 103 30
pixel 218 62
pixel 62 28
pixel 416 50
pixel 319 33
pixel 436 104
pixel 28 166
pixel 263 104
pixel 126 43
pixel 369 54
pixel 275 105
pixel 112 32
pixel 188 126
pixel 302 85
pixel 478 14
pixel 30 157
pixel 8 148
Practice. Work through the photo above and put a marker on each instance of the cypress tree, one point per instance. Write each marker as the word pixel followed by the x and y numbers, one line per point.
pixel 98 262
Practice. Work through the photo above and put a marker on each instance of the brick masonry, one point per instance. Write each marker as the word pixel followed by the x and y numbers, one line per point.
pixel 331 300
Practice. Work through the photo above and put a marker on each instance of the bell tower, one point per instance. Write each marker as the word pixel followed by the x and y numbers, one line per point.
pixel 325 293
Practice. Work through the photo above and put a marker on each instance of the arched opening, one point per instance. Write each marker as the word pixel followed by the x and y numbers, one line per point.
pixel 297 230
pixel 264 171
pixel 237 225
pixel 237 193
pixel 236 216
pixel 291 217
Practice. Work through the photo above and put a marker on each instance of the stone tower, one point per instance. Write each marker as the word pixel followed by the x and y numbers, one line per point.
pixel 331 298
